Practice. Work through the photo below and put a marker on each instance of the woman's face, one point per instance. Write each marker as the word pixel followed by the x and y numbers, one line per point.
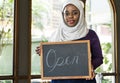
pixel 71 15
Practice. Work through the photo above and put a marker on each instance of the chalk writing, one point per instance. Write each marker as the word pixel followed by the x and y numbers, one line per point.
pixel 60 61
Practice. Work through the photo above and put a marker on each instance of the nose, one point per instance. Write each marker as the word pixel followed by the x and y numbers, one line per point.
pixel 70 15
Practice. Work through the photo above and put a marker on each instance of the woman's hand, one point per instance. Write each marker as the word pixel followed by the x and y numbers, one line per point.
pixel 38 49
pixel 93 74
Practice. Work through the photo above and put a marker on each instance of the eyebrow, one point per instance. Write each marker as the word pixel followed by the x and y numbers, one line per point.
pixel 68 11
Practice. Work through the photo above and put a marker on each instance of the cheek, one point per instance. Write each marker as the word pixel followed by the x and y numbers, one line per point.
pixel 65 19
pixel 77 18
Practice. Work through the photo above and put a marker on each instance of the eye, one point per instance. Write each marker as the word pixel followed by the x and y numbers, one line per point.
pixel 75 12
pixel 66 13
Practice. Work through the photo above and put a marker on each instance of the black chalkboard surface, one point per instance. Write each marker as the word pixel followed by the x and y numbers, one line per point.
pixel 66 60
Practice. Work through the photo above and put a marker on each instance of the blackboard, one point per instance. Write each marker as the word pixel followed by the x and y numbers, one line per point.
pixel 66 60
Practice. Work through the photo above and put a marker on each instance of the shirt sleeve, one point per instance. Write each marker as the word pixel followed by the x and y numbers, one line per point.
pixel 96 51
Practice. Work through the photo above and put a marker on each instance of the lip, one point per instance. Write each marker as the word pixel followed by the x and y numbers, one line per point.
pixel 71 21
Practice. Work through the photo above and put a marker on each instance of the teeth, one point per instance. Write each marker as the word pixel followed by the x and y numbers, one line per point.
pixel 71 21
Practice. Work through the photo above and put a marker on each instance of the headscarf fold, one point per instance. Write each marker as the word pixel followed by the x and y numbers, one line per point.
pixel 66 33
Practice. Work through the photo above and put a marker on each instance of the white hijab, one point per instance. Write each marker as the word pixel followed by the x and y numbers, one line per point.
pixel 66 33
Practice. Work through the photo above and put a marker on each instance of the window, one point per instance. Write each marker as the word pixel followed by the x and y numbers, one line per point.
pixel 98 19
pixel 18 61
pixel 99 15
pixel 6 39
pixel 14 31
pixel 44 22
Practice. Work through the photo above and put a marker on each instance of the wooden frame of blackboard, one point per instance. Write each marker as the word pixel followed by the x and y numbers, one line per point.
pixel 48 45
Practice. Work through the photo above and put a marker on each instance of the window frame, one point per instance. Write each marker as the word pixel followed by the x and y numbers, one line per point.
pixel 22 44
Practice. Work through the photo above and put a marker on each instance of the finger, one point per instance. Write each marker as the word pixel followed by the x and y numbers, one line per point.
pixel 38 49
pixel 92 77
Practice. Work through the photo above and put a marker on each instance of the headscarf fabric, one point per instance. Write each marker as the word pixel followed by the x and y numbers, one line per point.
pixel 66 33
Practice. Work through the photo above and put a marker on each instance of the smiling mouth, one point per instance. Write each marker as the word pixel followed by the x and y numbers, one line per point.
pixel 71 22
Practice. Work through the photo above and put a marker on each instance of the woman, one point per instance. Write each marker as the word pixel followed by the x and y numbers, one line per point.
pixel 73 27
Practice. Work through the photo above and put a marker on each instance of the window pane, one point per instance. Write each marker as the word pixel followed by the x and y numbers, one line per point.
pixel 45 19
pixel 108 79
pixel 35 59
pixel 105 79
pixel 6 81
pixel 39 81
pixel 99 18
pixel 6 37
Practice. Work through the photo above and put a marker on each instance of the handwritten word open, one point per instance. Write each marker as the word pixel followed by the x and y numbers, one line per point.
pixel 60 61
